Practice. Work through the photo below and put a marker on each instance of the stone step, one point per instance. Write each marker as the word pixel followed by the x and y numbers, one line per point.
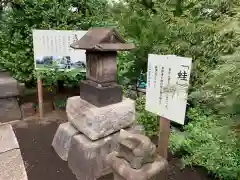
pixel 8 140
pixel 11 166
pixel 9 87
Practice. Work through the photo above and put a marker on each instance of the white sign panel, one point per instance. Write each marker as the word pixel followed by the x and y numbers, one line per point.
pixel 167 86
pixel 52 50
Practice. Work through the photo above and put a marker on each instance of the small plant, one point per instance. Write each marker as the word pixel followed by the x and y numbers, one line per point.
pixel 147 119
pixel 61 103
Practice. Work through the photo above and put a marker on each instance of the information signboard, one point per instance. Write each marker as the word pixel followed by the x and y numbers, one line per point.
pixel 167 86
pixel 52 50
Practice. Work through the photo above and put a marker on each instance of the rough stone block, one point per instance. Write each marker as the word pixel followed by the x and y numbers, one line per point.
pixel 62 139
pixel 137 149
pixel 123 171
pixel 28 110
pixel 9 110
pixel 86 157
pixel 8 86
pixel 8 140
pixel 12 166
pixel 98 122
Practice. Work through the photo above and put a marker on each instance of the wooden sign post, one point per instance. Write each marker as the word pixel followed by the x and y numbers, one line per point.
pixel 52 50
pixel 40 96
pixel 166 93
pixel 164 132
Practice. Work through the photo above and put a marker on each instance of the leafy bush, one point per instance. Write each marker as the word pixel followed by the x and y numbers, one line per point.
pixel 149 120
pixel 221 92
pixel 69 79
pixel 208 141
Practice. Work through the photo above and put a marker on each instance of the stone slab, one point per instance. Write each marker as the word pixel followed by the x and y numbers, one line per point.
pixel 12 166
pixel 123 171
pixel 9 110
pixel 8 86
pixel 86 158
pixel 98 122
pixel 62 139
pixel 8 140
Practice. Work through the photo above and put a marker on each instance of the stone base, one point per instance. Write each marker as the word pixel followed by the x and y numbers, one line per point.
pixel 98 122
pixel 100 96
pixel 62 139
pixel 9 110
pixel 86 157
pixel 123 171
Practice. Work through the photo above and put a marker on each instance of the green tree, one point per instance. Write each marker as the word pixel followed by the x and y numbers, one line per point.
pixel 193 34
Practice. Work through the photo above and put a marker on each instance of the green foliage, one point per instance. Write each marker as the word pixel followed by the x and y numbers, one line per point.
pixel 207 31
pixel 209 142
pixel 164 33
pixel 222 91
pixel 125 70
pixel 16 26
pixel 147 119
pixel 61 103
pixel 69 79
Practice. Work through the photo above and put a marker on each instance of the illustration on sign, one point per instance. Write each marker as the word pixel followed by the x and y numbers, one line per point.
pixel 52 50
pixel 167 87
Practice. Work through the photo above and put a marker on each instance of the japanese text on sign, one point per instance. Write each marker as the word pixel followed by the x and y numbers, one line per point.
pixel 166 93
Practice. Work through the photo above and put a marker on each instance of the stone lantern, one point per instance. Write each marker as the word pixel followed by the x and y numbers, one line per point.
pixel 100 112
pixel 101 45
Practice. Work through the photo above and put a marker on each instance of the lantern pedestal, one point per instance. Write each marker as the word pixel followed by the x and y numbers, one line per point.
pixel 87 158
pixel 100 96
pixel 99 122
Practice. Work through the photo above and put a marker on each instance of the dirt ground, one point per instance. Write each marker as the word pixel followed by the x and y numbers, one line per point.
pixel 41 162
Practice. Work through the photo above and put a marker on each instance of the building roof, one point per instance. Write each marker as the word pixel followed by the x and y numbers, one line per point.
pixel 102 39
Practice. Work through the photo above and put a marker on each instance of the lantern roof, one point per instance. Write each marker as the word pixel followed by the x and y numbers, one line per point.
pixel 102 39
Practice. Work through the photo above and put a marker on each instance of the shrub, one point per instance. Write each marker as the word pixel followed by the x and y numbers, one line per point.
pixel 149 120
pixel 208 141
pixel 69 79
